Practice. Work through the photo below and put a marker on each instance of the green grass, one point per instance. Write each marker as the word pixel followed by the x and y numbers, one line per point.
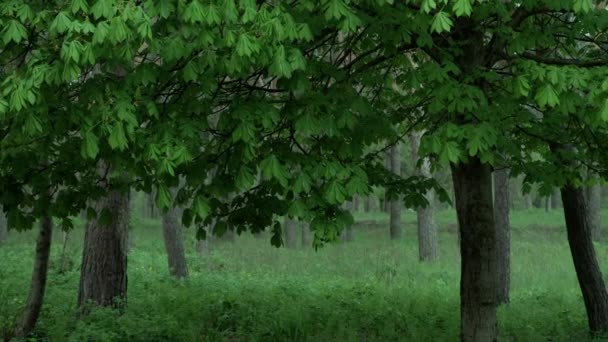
pixel 371 289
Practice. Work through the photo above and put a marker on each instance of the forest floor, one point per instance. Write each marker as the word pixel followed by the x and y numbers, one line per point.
pixel 370 289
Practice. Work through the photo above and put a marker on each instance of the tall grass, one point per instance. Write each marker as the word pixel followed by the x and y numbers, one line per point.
pixel 371 289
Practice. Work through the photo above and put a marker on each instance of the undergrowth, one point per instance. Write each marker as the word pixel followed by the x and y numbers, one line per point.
pixel 371 289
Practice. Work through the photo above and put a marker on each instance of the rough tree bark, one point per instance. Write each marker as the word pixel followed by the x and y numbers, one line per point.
pixel 585 261
pixel 103 274
pixel 29 317
pixel 503 233
pixel 174 244
pixel 290 231
pixel 395 204
pixel 474 207
pixel 594 198
pixel 428 244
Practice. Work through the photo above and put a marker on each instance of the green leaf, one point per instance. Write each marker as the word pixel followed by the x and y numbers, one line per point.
pixel 103 8
pixel 163 197
pixel 272 168
pixel 14 31
pixel 441 22
pixel 201 208
pixel 521 86
pixel 194 13
pixel 334 193
pixel 547 96
pixel 79 5
pixel 90 145
pixel 245 178
pixel 462 8
pixel 62 23
pixel 428 6
pixel 246 46
pixel 280 66
pixel 302 183
pixel 582 5
pixel 117 138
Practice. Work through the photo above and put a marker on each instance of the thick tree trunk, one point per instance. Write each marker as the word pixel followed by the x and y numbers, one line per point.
pixel 584 258
pixel 474 207
pixel 428 244
pixel 103 274
pixel 290 231
pixel 174 244
pixel 29 317
pixel 503 233
pixel 395 204
pixel 594 199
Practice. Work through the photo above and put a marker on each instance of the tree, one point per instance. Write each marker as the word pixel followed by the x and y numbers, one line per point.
pixel 291 233
pixel 174 244
pixel 594 200
pixel 395 202
pixel 587 268
pixel 26 323
pixel 428 243
pixel 103 273
pixel 503 233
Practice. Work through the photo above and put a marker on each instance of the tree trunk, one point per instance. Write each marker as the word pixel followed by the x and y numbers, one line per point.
pixel 3 228
pixel 594 200
pixel 547 203
pixel 428 244
pixel 474 207
pixel 368 203
pixel 29 317
pixel 290 230
pixel 528 199
pixel 347 234
pixel 584 258
pixel 174 243
pixel 103 274
pixel 306 235
pixel 395 203
pixel 64 262
pixel 503 233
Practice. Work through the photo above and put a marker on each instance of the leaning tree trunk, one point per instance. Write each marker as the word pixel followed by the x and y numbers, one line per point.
pixel 474 207
pixel 103 274
pixel 594 198
pixel 428 244
pixel 290 230
pixel 174 243
pixel 585 261
pixel 395 203
pixel 29 317
pixel 503 233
